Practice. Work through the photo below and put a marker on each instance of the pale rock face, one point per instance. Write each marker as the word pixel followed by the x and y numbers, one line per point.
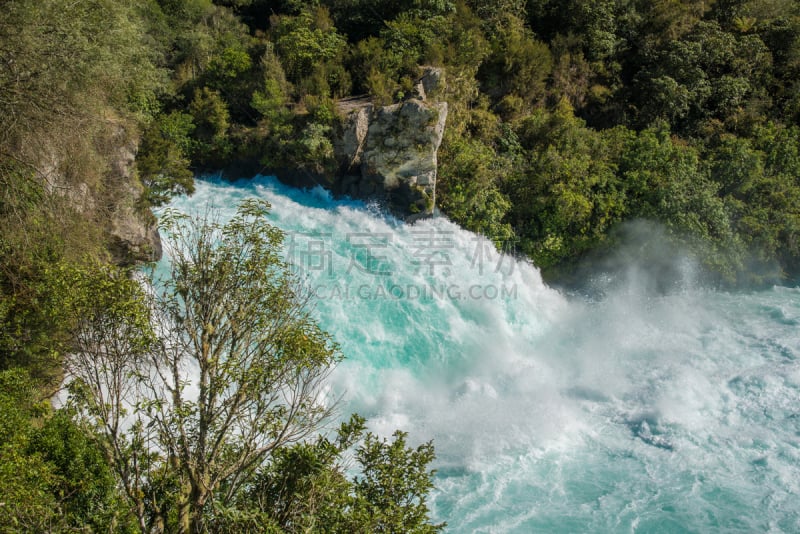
pixel 432 81
pixel 349 145
pixel 133 232
pixel 402 142
pixel 391 152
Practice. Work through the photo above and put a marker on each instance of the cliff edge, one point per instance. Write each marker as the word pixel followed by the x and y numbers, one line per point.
pixel 108 195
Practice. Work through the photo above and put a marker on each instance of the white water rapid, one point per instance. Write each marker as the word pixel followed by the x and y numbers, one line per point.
pixel 637 412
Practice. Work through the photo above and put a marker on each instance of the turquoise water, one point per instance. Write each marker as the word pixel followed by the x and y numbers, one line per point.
pixel 637 412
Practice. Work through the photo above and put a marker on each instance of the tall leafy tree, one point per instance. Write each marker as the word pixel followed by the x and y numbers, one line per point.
pixel 233 371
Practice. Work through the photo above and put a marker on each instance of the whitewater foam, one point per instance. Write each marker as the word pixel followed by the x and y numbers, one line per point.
pixel 644 410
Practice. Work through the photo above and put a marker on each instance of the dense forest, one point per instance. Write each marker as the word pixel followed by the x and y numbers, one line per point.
pixel 567 119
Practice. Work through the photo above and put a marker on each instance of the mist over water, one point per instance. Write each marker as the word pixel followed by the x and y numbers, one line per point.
pixel 642 411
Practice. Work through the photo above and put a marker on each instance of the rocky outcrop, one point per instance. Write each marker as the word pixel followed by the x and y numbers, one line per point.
pixel 390 152
pixel 132 229
pixel 110 193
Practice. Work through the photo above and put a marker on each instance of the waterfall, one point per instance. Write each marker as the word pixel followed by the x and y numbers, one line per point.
pixel 638 411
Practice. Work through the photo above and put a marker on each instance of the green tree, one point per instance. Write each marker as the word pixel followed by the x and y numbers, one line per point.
pixel 361 19
pixel 231 312
pixel 709 74
pixel 519 64
pixel 568 196
pixel 54 478
pixel 61 60
pixel 469 191
pixel 212 123
pixel 44 241
pixel 272 98
pixel 759 180
pixel 391 492
pixel 305 487
pixel 666 182
pixel 27 503
pixel 163 158
pixel 308 44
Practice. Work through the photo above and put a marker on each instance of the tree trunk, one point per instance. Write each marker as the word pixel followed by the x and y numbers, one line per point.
pixel 185 511
pixel 198 501
pixel 190 509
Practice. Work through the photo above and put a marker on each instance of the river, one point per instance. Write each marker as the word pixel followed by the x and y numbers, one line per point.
pixel 637 411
